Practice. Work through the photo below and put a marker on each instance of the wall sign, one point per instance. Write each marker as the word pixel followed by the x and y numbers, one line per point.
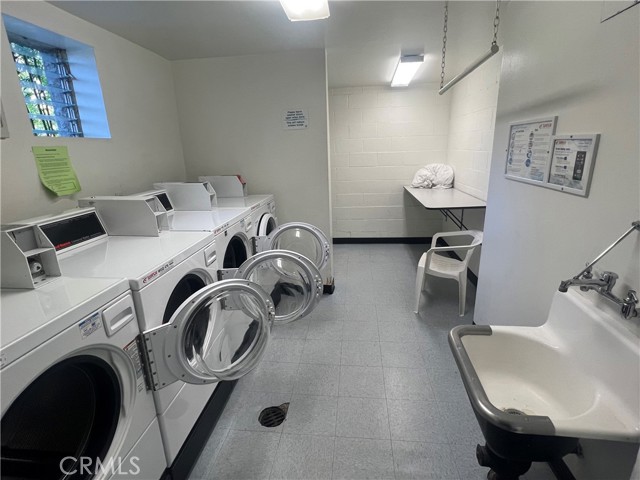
pixel 295 119
pixel 572 158
pixel 528 151
pixel 55 170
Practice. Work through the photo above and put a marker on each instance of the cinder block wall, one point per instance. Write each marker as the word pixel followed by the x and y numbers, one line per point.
pixel 379 138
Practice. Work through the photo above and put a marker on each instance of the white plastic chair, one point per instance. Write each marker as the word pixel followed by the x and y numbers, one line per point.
pixel 432 263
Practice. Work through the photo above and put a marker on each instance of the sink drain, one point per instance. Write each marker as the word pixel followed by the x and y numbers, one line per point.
pixel 273 416
pixel 514 411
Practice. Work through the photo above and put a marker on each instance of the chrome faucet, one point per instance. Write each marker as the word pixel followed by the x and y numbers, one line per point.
pixel 605 283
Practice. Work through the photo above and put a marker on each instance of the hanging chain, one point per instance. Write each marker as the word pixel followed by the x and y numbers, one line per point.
pixel 444 42
pixel 496 24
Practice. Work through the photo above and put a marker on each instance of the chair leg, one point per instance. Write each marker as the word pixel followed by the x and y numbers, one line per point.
pixel 462 293
pixel 419 286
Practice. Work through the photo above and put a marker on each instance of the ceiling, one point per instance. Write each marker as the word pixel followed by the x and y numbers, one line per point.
pixel 362 39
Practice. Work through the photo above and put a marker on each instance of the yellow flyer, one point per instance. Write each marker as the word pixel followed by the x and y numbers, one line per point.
pixel 55 170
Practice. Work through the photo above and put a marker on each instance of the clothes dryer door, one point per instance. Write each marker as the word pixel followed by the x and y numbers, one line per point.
pixel 298 237
pixel 218 333
pixel 267 224
pixel 292 280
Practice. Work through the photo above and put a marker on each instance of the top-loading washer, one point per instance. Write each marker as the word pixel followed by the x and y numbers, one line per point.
pixel 74 403
pixel 164 272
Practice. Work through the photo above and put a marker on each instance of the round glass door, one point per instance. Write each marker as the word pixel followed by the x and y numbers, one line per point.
pixel 219 333
pixel 67 414
pixel 293 282
pixel 301 238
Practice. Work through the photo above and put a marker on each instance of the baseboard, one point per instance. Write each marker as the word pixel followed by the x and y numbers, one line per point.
pixel 472 277
pixel 407 240
pixel 197 439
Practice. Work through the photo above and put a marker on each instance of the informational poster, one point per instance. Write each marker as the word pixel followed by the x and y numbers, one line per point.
pixel 55 170
pixel 572 161
pixel 295 119
pixel 528 151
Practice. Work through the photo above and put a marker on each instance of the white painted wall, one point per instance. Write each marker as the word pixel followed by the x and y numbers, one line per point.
pixel 473 105
pixel 473 100
pixel 139 98
pixel 379 138
pixel 231 111
pixel 560 60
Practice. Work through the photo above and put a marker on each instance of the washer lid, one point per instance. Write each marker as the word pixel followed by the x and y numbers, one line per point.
pixel 301 238
pixel 292 280
pixel 219 333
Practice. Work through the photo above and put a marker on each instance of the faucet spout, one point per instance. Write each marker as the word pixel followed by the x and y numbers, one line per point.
pixel 604 284
pixel 607 280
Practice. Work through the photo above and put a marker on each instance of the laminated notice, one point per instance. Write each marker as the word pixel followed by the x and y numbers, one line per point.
pixel 55 170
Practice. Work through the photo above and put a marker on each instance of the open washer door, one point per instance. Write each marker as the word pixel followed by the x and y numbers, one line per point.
pixel 298 237
pixel 293 282
pixel 267 224
pixel 219 333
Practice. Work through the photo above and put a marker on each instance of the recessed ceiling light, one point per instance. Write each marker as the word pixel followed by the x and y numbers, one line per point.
pixel 301 10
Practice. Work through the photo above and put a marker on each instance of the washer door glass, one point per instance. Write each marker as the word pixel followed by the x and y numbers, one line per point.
pixel 219 333
pixel 301 238
pixel 293 282
pixel 66 415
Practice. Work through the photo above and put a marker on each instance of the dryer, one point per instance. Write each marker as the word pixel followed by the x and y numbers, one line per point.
pixel 165 271
pixel 302 238
pixel 73 400
pixel 263 211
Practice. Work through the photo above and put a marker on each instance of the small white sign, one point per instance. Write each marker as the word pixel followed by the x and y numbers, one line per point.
pixel 572 163
pixel 528 150
pixel 295 119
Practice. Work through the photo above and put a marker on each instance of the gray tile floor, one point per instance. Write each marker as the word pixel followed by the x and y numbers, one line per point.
pixel 373 388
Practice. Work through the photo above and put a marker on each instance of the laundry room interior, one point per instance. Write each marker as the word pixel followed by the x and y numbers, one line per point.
pixel 250 250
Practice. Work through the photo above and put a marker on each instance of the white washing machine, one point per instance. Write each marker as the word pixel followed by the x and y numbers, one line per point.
pixel 302 238
pixel 152 211
pixel 263 211
pixel 164 273
pixel 234 244
pixel 231 193
pixel 73 399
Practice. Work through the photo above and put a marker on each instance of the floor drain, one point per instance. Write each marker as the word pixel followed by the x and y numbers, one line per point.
pixel 514 411
pixel 273 416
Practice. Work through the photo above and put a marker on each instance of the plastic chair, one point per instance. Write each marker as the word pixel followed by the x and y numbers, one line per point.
pixel 432 263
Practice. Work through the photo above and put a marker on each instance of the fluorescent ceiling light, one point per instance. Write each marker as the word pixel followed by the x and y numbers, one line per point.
pixel 298 10
pixel 407 67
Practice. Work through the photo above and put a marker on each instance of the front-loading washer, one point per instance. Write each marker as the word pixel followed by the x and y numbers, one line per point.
pixel 299 237
pixel 164 271
pixel 263 211
pixel 74 403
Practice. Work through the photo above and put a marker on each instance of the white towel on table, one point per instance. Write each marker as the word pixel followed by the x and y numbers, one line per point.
pixel 434 175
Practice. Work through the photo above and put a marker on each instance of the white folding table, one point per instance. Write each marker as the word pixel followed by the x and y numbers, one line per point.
pixel 446 200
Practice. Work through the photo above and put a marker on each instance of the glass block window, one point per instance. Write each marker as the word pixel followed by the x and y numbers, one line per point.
pixel 47 86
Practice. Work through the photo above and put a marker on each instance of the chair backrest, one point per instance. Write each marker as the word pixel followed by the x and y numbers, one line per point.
pixel 476 242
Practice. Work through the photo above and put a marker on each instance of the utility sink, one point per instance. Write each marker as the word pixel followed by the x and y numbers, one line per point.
pixel 537 390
